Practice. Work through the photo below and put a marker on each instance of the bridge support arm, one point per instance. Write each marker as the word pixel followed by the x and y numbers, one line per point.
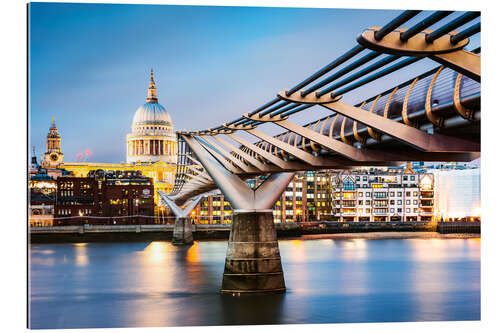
pixel 183 233
pixel 462 61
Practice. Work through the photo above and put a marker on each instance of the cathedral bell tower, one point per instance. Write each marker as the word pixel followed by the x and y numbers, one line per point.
pixel 53 156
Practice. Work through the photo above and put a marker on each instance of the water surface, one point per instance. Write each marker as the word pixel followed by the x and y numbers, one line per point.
pixel 328 281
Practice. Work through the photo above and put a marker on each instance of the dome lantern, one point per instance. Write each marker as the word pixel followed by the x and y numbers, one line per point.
pixel 152 90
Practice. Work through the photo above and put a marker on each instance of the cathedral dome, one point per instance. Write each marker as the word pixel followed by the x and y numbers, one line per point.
pixel 152 138
pixel 151 113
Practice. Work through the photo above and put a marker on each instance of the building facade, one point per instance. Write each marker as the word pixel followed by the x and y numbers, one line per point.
pixel 120 197
pixel 458 194
pixel 381 196
pixel 162 174
pixel 42 197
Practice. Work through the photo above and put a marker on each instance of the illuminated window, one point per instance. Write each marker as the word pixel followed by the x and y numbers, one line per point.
pixel 349 195
pixel 348 185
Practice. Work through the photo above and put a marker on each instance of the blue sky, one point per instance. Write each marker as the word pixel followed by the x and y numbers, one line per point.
pixel 89 65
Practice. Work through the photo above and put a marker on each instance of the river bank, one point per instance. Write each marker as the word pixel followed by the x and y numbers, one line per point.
pixel 340 230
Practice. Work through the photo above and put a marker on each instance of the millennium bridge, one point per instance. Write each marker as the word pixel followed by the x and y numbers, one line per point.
pixel 434 116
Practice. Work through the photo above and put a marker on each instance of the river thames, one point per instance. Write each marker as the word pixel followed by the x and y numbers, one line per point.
pixel 329 279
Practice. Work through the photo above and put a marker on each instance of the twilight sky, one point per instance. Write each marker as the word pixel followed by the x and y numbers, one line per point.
pixel 89 65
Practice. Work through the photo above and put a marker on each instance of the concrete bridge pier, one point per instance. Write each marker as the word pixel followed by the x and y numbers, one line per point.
pixel 183 233
pixel 253 261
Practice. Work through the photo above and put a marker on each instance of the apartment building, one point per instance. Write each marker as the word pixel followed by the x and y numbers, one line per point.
pixel 379 195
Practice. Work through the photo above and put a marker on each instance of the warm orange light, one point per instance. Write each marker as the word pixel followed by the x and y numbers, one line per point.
pixel 426 183
pixel 193 213
pixel 348 195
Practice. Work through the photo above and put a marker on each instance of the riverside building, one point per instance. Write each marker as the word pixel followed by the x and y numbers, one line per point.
pixel 361 195
pixel 381 196
pixel 104 197
pixel 458 194
pixel 42 197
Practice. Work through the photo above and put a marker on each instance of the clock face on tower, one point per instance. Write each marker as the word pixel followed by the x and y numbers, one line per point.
pixel 54 157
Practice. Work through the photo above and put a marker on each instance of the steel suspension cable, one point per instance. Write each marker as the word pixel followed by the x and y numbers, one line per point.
pixel 337 62
pixel 375 76
pixel 395 23
pixel 434 18
pixel 465 18
pixel 370 56
pixel 359 74
pixel 466 33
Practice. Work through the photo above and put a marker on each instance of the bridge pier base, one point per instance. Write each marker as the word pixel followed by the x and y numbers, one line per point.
pixel 183 233
pixel 253 261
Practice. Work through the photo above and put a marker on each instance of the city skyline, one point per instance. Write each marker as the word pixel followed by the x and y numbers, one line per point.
pixel 207 60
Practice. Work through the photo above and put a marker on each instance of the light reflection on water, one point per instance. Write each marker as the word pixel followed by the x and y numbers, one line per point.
pixel 328 281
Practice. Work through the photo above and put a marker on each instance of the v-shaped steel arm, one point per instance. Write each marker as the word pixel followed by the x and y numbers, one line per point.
pixel 178 211
pixel 237 192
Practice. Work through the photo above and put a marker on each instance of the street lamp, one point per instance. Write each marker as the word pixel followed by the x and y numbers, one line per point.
pixel 162 210
pixel 298 214
pixel 136 209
